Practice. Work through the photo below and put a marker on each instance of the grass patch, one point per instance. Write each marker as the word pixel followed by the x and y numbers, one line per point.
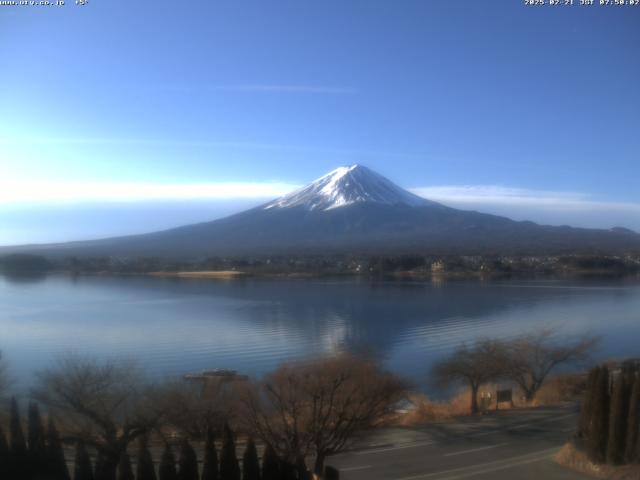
pixel 557 390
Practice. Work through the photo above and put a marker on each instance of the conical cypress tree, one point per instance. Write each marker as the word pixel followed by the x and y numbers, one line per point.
pixel 18 461
pixel 210 466
pixel 188 462
pixel 270 464
pixel 82 464
pixel 99 469
pixel 167 469
pixel 301 469
pixel 598 432
pixel 229 468
pixel 632 445
pixel 617 422
pixel 4 455
pixel 585 410
pixel 57 464
pixel 125 472
pixel 145 469
pixel 37 445
pixel 250 463
pixel 288 471
pixel 331 473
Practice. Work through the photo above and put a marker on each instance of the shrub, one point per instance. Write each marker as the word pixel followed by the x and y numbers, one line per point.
pixel 167 469
pixel 270 464
pixel 144 468
pixel 57 464
pixel 229 468
pixel 188 463
pixel 617 422
pixel 250 463
pixel 210 467
pixel 125 472
pixel 82 470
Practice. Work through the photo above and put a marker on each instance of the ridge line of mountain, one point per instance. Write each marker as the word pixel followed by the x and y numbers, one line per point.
pixel 350 210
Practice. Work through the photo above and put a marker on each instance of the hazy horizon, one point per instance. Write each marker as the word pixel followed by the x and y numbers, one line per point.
pixel 498 107
pixel 142 208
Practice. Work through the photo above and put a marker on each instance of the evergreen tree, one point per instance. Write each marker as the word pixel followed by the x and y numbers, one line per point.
pixel 4 455
pixel 229 468
pixel 250 463
pixel 125 472
pixel 82 464
pixel 331 473
pixel 106 468
pixel 36 440
pixel 18 461
pixel 617 422
pixel 145 469
pixel 288 471
pixel 100 468
pixel 586 408
pixel 598 432
pixel 188 462
pixel 270 464
pixel 210 467
pixel 57 464
pixel 167 469
pixel 632 445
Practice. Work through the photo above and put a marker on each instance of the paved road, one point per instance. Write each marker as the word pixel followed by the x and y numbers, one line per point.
pixel 503 445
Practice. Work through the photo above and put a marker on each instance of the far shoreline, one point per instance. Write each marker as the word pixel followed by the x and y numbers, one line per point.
pixel 201 274
pixel 436 277
pixel 399 276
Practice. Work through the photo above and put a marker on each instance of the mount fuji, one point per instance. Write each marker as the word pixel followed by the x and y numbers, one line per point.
pixel 352 210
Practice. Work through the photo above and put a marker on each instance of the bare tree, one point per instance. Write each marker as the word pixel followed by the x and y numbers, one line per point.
pixel 4 377
pixel 194 409
pixel 316 409
pixel 474 365
pixel 105 406
pixel 532 357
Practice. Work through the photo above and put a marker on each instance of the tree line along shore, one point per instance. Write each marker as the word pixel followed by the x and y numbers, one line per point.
pixel 416 266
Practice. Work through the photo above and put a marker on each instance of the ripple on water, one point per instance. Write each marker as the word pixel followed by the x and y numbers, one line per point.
pixel 178 327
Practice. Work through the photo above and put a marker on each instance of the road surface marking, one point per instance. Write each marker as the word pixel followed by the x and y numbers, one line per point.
pixel 499 467
pixel 519 426
pixel 479 449
pixel 391 449
pixel 353 469
pixel 544 421
pixel 491 466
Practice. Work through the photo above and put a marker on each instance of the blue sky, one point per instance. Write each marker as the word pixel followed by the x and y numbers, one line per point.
pixel 123 116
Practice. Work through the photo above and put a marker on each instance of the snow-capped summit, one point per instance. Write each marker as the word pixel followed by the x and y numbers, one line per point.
pixel 346 186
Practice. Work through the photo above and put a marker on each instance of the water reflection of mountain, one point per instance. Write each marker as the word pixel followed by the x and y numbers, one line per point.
pixel 358 314
pixel 24 276
pixel 174 326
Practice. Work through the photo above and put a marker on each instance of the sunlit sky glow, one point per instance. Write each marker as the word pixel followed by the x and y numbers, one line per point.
pixel 151 115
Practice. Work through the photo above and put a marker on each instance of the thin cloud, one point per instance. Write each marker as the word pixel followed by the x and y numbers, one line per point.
pixel 464 196
pixel 483 195
pixel 197 143
pixel 147 142
pixel 541 206
pixel 260 88
pixel 75 192
pixel 265 88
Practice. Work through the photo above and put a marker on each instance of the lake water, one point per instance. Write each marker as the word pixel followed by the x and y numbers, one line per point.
pixel 176 326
